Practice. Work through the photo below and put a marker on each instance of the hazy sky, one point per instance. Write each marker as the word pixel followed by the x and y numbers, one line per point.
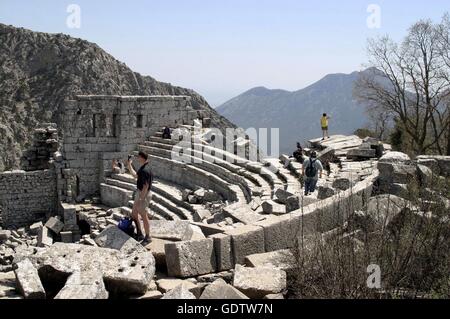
pixel 223 48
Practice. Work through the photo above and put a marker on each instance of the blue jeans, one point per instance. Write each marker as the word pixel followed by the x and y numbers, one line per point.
pixel 310 185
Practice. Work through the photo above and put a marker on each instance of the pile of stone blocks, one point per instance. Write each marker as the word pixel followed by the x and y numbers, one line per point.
pixel 44 145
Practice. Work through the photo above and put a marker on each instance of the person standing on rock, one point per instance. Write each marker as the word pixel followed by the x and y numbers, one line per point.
pixel 142 196
pixel 311 168
pixel 324 124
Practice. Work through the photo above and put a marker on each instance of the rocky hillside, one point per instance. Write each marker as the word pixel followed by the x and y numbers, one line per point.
pixel 39 71
pixel 298 113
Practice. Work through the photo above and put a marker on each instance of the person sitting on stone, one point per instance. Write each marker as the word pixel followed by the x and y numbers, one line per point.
pixel 118 167
pixel 311 168
pixel 298 154
pixel 166 133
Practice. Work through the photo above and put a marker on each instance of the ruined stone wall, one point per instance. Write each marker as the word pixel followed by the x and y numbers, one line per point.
pixel 27 197
pixel 99 128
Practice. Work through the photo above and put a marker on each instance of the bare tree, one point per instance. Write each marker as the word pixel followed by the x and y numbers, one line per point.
pixel 443 32
pixel 409 81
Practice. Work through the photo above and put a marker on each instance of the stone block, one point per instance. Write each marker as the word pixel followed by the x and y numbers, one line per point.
pixel 34 229
pixel 190 258
pixel 282 195
pixel 55 225
pixel 28 280
pixel 127 273
pixel 246 240
pixel 112 237
pixel 259 281
pixel 219 289
pixel 66 237
pixel 271 207
pixel 222 248
pixel 180 292
pixel 167 284
pixel 178 230
pixel 45 238
pixel 156 247
pixel 5 235
pixel 84 285
pixel 283 259
pixel 70 214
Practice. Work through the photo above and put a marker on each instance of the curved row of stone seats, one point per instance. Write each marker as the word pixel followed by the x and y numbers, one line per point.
pixel 261 174
pixel 126 211
pixel 258 185
pixel 292 182
pixel 115 196
pixel 163 196
pixel 196 160
pixel 168 169
pixel 193 177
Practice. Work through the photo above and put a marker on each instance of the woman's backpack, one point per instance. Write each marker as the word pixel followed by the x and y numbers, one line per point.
pixel 126 225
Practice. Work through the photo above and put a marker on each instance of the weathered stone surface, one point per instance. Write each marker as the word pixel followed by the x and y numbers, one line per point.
pixel 34 229
pixel 28 280
pixel 283 259
pixel 84 285
pixel 382 209
pixel 292 203
pixel 179 292
pixel 113 238
pixel 70 214
pixel 45 238
pixel 8 285
pixel 282 195
pixel 431 163
pixel 190 258
pixel 442 161
pixel 242 213
pixel 246 240
pixel 271 207
pixel 425 175
pixel 222 248
pixel 4 235
pixel 325 191
pixel 259 281
pixel 122 272
pixel 342 183
pixel 394 157
pixel 178 230
pixel 361 153
pixel 55 225
pixel 219 289
pixel 167 284
pixel 156 247
pixel 66 237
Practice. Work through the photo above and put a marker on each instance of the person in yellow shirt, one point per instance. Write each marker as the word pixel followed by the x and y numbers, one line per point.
pixel 324 123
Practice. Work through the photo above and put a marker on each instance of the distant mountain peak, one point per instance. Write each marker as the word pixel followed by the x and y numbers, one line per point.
pixel 297 113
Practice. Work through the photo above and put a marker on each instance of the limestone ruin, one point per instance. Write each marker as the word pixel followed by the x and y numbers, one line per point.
pixel 223 222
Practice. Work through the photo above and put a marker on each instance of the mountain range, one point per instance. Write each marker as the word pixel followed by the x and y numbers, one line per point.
pixel 297 114
pixel 40 70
